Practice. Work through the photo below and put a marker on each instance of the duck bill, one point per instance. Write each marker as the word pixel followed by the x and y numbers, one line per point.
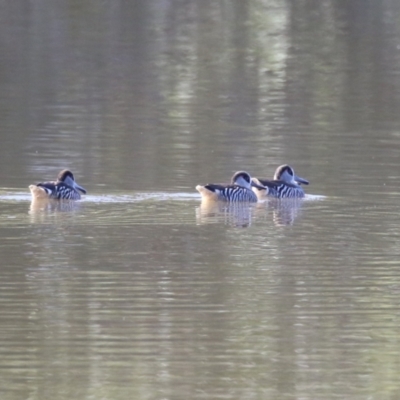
pixel 78 187
pixel 257 185
pixel 301 180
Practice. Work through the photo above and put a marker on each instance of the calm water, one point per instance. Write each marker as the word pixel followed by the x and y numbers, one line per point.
pixel 138 291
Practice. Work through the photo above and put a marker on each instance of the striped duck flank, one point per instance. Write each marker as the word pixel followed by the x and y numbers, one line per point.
pixel 64 188
pixel 239 190
pixel 286 184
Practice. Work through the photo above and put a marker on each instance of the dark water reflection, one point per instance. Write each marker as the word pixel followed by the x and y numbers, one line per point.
pixel 139 290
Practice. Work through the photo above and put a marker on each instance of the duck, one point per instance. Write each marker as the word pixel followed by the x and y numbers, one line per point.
pixel 64 188
pixel 285 184
pixel 239 190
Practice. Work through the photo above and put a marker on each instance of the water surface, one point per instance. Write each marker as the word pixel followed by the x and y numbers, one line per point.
pixel 140 291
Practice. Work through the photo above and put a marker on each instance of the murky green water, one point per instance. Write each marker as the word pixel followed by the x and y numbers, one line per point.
pixel 140 291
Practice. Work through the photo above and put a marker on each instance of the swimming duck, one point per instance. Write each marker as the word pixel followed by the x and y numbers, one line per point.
pixel 64 188
pixel 285 184
pixel 238 190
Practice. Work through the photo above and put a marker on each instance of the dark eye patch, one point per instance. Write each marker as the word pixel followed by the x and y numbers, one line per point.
pixel 246 177
pixel 288 170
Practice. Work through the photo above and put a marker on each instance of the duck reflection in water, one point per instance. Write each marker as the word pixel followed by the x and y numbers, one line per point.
pixel 42 211
pixel 284 211
pixel 233 214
